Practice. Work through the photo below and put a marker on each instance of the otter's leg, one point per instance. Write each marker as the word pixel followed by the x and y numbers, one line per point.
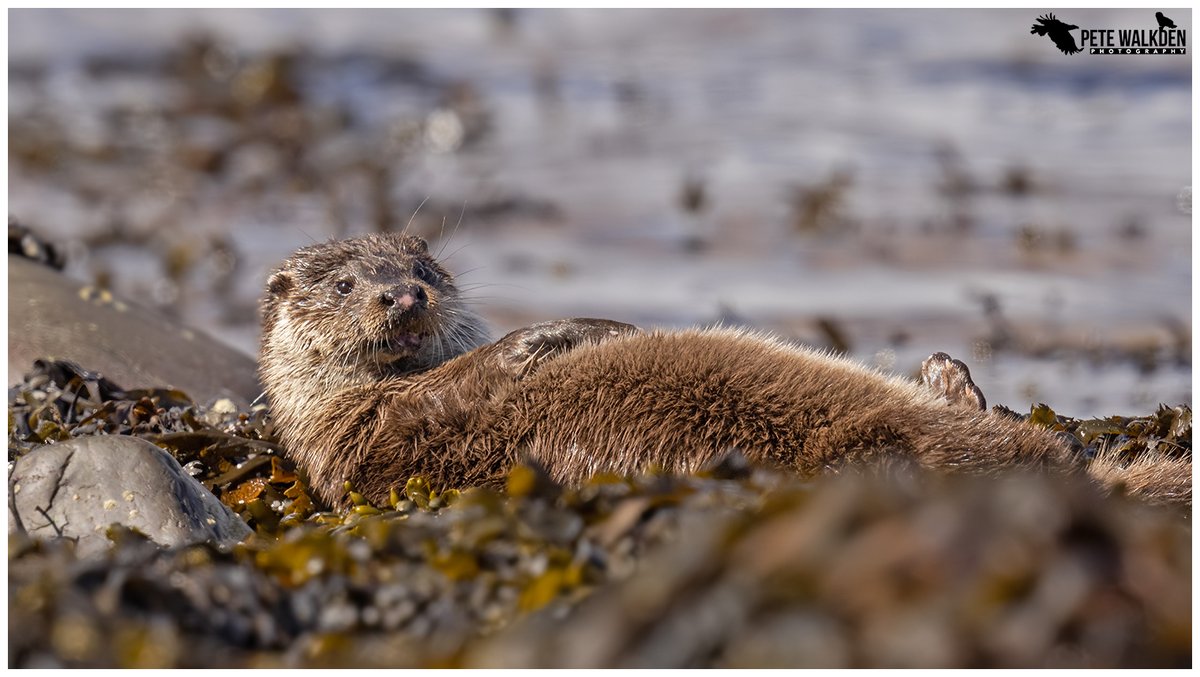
pixel 524 349
pixel 951 379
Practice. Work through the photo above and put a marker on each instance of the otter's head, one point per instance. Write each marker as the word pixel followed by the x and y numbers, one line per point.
pixel 348 313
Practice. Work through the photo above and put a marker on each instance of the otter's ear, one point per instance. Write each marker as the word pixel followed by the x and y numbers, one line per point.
pixel 279 284
pixel 419 246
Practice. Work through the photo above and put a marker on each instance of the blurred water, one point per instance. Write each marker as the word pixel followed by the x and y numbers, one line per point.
pixel 598 119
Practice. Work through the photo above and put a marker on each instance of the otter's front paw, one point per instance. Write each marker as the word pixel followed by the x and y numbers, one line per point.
pixel 951 379
pixel 524 349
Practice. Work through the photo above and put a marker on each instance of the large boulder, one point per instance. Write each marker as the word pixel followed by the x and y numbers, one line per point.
pixel 52 316
pixel 77 489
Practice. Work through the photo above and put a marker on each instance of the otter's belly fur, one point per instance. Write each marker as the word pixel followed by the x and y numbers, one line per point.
pixel 676 400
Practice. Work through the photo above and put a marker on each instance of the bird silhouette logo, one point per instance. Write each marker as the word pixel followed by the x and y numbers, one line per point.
pixel 1059 32
pixel 1164 22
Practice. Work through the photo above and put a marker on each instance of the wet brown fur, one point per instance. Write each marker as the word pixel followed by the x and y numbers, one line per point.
pixel 615 401
pixel 667 400
pixel 1151 476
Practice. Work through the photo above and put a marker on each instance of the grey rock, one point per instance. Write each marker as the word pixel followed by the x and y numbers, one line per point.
pixel 77 489
pixel 52 316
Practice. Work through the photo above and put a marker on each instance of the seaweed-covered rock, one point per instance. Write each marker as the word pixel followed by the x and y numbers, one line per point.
pixel 764 571
pixel 866 572
pixel 77 489
pixel 230 450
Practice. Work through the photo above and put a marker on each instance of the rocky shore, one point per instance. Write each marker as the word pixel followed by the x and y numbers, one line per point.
pixel 733 567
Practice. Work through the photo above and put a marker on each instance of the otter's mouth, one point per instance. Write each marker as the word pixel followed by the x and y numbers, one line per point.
pixel 399 345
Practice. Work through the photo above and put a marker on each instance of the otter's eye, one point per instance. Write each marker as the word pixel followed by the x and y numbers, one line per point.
pixel 424 272
pixel 344 287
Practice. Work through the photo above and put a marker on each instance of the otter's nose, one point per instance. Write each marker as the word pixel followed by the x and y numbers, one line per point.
pixel 403 297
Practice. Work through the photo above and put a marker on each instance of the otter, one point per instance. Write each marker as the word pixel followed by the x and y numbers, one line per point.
pixel 376 370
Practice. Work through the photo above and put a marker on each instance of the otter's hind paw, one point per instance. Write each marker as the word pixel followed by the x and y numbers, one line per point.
pixel 951 379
